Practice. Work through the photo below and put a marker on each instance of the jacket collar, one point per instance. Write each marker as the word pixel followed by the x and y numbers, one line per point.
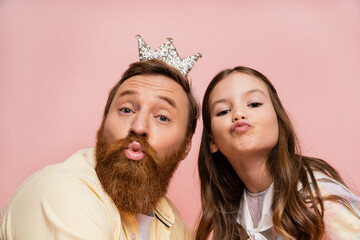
pixel 164 213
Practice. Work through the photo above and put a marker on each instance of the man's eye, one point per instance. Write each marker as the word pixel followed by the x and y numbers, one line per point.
pixel 125 110
pixel 163 118
pixel 255 104
pixel 223 112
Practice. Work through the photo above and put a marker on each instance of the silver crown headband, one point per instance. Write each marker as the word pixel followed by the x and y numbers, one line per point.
pixel 168 54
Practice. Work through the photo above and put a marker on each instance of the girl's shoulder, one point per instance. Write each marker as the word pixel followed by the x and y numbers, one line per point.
pixel 331 187
pixel 342 221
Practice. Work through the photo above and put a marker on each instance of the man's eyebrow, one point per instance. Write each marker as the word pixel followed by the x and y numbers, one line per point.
pixel 128 92
pixel 164 98
pixel 168 100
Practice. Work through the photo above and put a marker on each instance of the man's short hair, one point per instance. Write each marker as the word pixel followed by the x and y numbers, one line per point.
pixel 157 67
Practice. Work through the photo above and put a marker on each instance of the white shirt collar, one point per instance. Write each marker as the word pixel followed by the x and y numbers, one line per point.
pixel 265 223
pixel 245 220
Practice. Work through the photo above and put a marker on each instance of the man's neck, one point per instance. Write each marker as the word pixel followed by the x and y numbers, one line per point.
pixel 144 222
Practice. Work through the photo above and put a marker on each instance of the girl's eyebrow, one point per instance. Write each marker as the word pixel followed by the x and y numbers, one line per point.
pixel 218 101
pixel 255 90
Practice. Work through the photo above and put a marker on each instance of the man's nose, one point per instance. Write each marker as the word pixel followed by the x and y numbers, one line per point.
pixel 139 125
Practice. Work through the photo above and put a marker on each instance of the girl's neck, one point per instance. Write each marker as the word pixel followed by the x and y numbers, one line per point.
pixel 253 172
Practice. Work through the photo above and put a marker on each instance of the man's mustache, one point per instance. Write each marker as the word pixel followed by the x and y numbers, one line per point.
pixel 121 144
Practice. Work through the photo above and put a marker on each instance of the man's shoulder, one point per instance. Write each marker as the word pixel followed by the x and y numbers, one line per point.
pixel 61 193
pixel 81 163
pixel 78 165
pixel 73 177
pixel 80 160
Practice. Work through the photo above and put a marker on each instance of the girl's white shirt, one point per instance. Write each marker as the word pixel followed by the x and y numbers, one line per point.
pixel 245 220
pixel 265 223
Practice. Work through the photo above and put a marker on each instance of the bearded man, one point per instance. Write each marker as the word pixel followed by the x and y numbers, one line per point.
pixel 117 190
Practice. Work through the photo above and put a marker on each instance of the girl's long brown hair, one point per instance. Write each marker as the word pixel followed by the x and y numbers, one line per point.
pixel 222 189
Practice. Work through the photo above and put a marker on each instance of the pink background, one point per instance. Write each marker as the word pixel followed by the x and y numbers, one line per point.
pixel 58 60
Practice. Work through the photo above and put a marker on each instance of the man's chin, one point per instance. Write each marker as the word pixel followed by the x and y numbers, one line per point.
pixel 134 186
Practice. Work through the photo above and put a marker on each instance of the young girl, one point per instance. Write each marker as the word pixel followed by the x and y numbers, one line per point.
pixel 254 182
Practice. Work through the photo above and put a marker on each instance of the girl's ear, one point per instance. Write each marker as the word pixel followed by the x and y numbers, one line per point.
pixel 213 147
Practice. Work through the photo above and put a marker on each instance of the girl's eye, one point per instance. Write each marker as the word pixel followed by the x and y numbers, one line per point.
pixel 255 104
pixel 125 110
pixel 223 112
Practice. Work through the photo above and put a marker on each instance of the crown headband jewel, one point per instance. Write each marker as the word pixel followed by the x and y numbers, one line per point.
pixel 168 54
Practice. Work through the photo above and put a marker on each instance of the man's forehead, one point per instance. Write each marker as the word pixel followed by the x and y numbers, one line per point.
pixel 158 84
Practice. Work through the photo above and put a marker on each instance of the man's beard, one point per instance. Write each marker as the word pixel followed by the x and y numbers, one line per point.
pixel 134 186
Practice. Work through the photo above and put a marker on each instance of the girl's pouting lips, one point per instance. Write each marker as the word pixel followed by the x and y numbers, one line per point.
pixel 240 127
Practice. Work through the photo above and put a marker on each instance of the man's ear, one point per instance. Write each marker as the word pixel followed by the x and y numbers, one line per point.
pixel 187 148
pixel 213 147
